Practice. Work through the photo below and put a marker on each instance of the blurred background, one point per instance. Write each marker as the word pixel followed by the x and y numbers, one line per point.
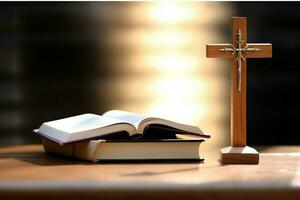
pixel 60 59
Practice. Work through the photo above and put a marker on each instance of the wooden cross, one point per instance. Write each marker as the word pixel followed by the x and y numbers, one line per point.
pixel 239 51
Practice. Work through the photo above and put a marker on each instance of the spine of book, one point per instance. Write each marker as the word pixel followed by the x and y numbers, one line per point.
pixel 82 150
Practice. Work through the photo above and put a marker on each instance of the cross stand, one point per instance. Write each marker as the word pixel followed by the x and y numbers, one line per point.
pixel 239 51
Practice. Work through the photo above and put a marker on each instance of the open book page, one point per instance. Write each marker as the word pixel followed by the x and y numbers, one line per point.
pixel 186 128
pixel 81 123
pixel 83 127
pixel 132 118
pixel 142 121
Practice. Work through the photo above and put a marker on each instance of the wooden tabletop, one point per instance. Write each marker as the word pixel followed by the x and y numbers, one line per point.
pixel 27 172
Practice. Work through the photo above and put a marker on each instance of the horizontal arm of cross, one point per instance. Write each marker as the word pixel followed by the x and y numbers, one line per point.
pixel 265 50
pixel 213 51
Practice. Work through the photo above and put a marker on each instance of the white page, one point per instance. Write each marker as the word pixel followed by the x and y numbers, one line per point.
pixel 141 121
pixel 81 123
pixel 124 116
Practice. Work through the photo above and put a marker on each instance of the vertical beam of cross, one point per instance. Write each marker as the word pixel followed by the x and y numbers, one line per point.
pixel 239 51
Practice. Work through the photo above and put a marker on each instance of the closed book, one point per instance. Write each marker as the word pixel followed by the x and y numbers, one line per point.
pixel 126 150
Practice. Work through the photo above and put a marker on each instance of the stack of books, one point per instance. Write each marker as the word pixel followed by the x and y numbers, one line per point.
pixel 120 135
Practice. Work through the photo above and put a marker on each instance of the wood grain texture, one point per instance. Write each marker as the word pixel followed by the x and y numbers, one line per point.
pixel 264 52
pixel 213 51
pixel 26 172
pixel 238 98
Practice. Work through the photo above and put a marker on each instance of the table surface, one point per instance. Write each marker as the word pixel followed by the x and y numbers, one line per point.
pixel 26 172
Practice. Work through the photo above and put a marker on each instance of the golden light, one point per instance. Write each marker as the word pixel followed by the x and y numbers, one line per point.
pixel 172 63
pixel 177 100
pixel 167 37
pixel 170 12
pixel 165 71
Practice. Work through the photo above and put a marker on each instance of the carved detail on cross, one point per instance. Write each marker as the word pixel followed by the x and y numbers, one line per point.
pixel 239 50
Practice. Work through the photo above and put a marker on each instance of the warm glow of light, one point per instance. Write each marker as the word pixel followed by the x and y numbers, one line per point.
pixel 170 12
pixel 170 63
pixel 164 71
pixel 175 97
pixel 178 100
pixel 168 37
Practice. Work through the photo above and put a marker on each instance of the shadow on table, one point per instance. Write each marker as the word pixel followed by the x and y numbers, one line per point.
pixel 42 159
pixel 151 173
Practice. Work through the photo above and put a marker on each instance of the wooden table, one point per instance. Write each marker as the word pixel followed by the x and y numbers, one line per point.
pixel 26 172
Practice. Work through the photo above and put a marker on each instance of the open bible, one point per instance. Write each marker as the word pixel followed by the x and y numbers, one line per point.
pixel 115 125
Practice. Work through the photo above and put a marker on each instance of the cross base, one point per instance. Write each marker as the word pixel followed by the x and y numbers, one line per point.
pixel 239 155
